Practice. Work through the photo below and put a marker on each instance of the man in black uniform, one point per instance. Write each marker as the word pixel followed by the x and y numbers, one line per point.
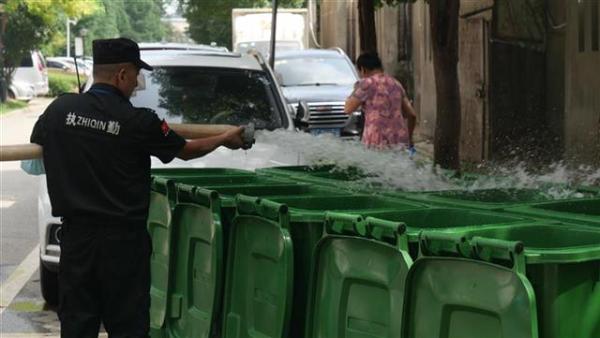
pixel 97 150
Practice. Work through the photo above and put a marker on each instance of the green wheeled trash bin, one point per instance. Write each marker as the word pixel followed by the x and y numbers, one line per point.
pixel 540 279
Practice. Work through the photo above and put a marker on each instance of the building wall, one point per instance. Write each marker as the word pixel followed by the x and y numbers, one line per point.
pixel 387 25
pixel 336 24
pixel 582 111
pixel 339 28
pixel 424 78
pixel 472 69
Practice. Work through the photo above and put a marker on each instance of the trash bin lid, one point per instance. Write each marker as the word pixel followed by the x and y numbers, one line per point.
pixel 258 294
pixel 197 266
pixel 358 288
pixel 159 228
pixel 358 279
pixel 465 298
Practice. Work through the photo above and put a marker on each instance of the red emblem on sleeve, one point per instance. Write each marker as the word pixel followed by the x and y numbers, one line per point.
pixel 165 128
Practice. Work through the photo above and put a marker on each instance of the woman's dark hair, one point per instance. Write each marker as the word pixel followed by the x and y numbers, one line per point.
pixel 369 61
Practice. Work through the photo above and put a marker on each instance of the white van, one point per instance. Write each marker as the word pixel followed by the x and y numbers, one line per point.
pixel 33 71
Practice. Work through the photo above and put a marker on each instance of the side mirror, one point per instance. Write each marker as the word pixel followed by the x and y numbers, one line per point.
pixel 302 117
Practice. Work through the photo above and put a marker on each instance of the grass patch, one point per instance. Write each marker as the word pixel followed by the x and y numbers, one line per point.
pixel 11 105
pixel 61 82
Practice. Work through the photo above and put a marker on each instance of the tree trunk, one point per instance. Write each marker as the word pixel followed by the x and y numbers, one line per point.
pixel 366 26
pixel 444 35
pixel 3 82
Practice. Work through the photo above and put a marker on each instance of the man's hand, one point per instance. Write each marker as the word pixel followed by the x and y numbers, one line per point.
pixel 233 139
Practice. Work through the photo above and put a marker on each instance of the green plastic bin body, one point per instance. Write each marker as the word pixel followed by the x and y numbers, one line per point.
pixel 584 211
pixel 486 199
pixel 306 221
pixel 357 282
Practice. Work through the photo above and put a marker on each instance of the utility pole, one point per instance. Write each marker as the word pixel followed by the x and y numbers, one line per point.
pixel 69 22
pixel 273 34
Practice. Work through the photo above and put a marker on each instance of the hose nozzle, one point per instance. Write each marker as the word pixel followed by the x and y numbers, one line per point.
pixel 248 136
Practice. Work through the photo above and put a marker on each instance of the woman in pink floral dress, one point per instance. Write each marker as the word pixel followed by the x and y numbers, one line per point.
pixel 389 116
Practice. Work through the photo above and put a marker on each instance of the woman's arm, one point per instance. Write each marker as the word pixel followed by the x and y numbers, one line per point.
pixel 351 105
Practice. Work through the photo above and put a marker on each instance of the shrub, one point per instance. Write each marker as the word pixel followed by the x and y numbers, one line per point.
pixel 60 83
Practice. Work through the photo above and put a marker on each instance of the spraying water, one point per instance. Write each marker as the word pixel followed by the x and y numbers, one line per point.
pixel 395 170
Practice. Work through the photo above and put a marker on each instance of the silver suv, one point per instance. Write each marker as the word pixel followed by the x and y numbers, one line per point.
pixel 207 87
pixel 319 81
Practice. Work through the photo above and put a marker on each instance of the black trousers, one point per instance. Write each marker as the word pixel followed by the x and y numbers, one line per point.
pixel 104 277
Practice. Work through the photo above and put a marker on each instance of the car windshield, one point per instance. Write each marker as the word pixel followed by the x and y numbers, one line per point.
pixel 209 96
pixel 306 71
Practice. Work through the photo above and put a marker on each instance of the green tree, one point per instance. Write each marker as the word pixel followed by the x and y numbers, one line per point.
pixel 444 34
pixel 210 21
pixel 138 20
pixel 27 24
pixel 144 20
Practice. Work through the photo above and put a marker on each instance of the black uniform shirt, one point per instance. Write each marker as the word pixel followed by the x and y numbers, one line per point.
pixel 97 149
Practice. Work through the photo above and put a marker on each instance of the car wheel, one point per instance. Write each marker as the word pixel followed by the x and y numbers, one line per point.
pixel 49 285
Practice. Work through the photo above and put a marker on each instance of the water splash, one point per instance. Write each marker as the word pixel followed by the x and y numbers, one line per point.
pixel 394 170
pixel 391 168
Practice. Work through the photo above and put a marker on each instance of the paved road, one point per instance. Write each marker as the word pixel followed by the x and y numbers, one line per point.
pixel 22 310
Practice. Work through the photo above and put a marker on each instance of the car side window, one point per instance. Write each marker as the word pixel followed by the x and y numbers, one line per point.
pixel 26 61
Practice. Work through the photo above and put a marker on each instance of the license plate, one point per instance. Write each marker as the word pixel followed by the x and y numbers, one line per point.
pixel 319 131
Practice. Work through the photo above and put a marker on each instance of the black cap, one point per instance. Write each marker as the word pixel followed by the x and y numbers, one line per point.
pixel 110 51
